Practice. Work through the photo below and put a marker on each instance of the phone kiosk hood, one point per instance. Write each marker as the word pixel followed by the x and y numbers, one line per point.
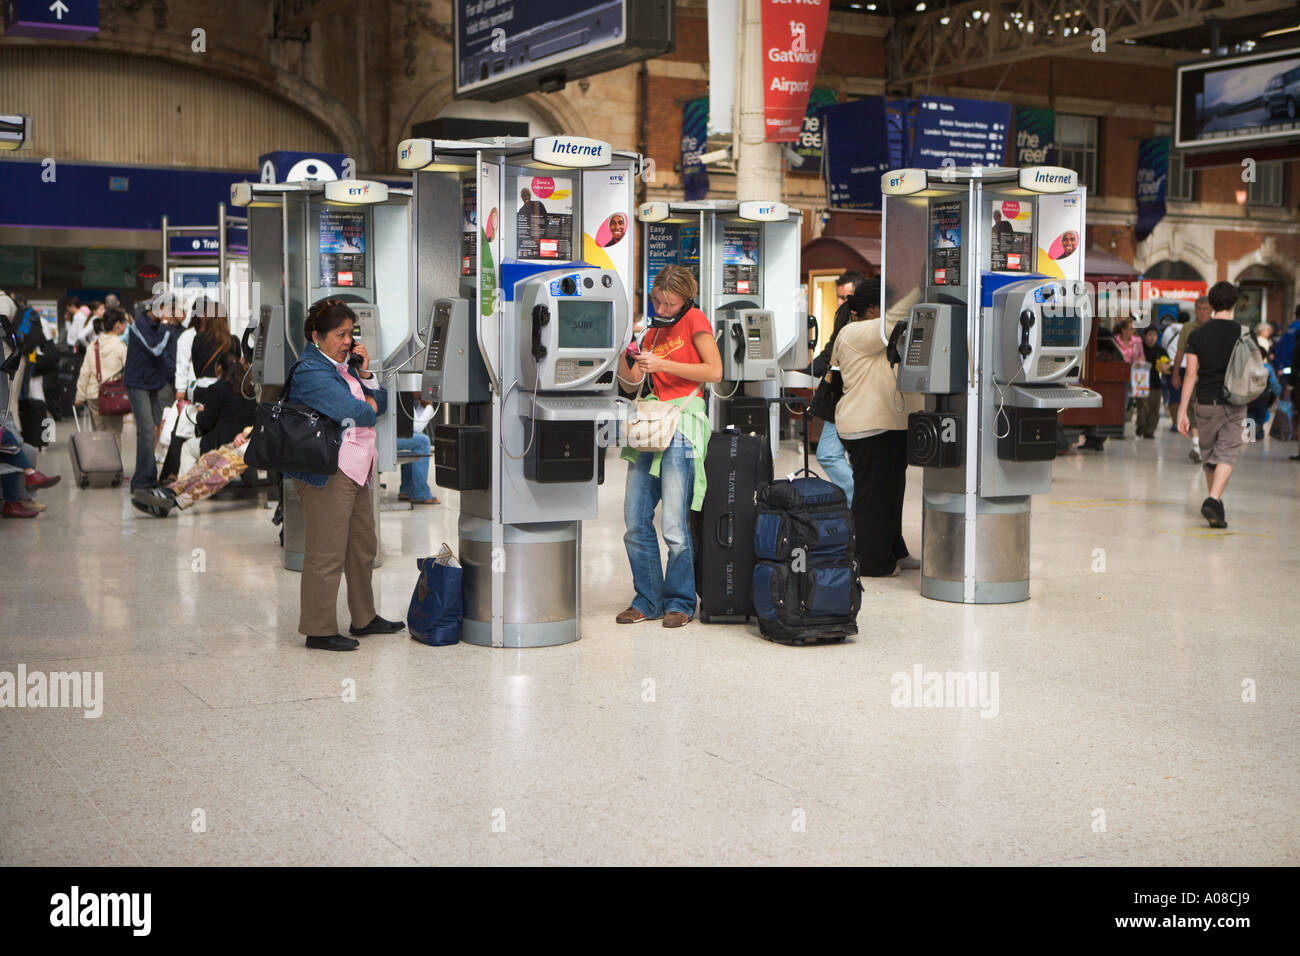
pixel 745 257
pixel 347 239
pixel 984 269
pixel 524 273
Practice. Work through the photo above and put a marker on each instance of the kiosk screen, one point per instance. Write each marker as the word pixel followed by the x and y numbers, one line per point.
pixel 1061 331
pixel 585 325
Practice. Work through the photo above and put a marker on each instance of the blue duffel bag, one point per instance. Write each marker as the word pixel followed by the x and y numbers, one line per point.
pixel 437 604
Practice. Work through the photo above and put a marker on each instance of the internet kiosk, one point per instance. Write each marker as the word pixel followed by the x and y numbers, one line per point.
pixel 311 240
pixel 523 280
pixel 983 269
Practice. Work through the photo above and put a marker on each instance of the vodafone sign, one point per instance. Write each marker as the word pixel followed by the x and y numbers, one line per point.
pixel 793 31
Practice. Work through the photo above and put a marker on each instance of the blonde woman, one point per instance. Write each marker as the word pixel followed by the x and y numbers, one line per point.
pixel 679 355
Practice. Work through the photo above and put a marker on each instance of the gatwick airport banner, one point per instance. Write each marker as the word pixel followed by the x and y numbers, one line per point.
pixel 792 46
pixel 1152 177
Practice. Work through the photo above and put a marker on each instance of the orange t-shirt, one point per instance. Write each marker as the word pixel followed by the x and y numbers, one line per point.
pixel 676 343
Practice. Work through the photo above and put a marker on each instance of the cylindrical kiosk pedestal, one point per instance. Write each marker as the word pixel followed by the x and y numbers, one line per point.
pixel 1001 549
pixel 539 573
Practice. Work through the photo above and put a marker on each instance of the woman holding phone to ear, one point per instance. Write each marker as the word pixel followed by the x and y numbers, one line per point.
pixel 680 356
pixel 337 509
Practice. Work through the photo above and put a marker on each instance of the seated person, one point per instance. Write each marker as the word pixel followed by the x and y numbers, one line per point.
pixel 210 474
pixel 223 413
pixel 412 439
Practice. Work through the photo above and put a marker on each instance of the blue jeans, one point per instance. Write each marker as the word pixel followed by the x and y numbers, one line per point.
pixel 147 408
pixel 657 592
pixel 14 483
pixel 830 455
pixel 415 476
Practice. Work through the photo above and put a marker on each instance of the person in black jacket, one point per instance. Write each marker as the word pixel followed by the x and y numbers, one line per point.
pixel 224 410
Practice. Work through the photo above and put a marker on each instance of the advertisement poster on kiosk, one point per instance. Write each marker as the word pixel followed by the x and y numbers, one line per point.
pixel 740 267
pixel 342 248
pixel 1060 237
pixel 671 244
pixel 1011 248
pixel 544 218
pixel 489 237
pixel 945 243
pixel 607 222
pixel 468 225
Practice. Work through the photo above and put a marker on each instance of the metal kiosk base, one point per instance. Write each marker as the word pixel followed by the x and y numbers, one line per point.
pixel 539 572
pixel 1001 556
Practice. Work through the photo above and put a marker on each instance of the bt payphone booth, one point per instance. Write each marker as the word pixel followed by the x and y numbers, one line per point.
pixel 983 268
pixel 347 239
pixel 745 257
pixel 523 284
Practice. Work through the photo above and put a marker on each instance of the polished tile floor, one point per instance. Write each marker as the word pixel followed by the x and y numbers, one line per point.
pixel 1119 733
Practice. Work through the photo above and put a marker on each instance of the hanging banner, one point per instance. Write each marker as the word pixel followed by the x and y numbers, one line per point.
pixel 1152 176
pixel 723 17
pixel 792 47
pixel 1035 137
pixel 856 152
pixel 695 177
pixel 809 145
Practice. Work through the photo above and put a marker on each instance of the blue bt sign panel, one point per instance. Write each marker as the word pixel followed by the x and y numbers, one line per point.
pixel 52 19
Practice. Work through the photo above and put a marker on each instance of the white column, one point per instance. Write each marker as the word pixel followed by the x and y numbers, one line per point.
pixel 759 165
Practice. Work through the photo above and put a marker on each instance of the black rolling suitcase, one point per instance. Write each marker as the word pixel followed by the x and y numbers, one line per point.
pixel 806 586
pixel 736 465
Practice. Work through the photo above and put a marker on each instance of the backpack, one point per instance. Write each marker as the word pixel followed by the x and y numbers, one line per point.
pixel 1246 377
pixel 805 583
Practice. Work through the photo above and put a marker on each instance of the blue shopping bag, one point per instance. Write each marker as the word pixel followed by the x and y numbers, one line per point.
pixel 437 604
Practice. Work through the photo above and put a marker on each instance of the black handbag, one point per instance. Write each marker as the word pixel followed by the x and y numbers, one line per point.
pixel 293 438
pixel 829 391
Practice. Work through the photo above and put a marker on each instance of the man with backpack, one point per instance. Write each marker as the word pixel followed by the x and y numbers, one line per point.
pixel 1223 385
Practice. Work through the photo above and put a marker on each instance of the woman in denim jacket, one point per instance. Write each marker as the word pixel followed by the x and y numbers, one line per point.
pixel 337 509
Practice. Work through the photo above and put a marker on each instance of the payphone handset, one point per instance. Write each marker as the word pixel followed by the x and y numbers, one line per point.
pixel 748 345
pixel 574 325
pixel 933 350
pixel 1040 331
pixel 365 331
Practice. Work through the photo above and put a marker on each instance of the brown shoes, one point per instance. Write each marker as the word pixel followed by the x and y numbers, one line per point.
pixel 671 619
pixel 632 616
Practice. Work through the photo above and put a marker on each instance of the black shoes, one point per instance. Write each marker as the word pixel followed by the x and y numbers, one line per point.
pixel 1212 509
pixel 377 626
pixel 335 642
pixel 155 501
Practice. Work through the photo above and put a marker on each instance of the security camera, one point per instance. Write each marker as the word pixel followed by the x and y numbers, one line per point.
pixel 717 156
pixel 15 132
pixel 793 158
